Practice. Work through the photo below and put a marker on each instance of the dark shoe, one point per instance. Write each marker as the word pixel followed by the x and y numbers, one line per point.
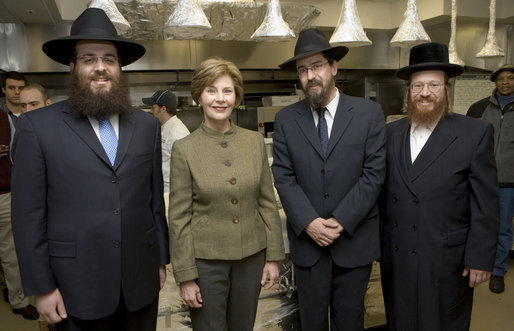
pixel 29 312
pixel 6 294
pixel 496 284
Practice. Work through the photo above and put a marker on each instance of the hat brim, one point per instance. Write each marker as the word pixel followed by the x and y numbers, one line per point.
pixel 338 52
pixel 148 101
pixel 451 69
pixel 61 50
pixel 497 72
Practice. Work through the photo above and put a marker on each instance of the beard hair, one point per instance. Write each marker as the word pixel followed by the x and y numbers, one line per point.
pixel 424 117
pixel 83 102
pixel 314 99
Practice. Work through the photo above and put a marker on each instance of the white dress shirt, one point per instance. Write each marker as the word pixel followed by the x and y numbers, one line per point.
pixel 419 135
pixel 329 115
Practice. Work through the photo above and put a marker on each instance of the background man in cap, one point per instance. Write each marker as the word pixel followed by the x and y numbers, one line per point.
pixel 88 209
pixel 34 96
pixel 498 109
pixel 164 106
pixel 440 202
pixel 329 165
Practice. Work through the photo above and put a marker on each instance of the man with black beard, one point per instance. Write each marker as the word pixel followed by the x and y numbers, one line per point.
pixel 439 207
pixel 329 165
pixel 87 192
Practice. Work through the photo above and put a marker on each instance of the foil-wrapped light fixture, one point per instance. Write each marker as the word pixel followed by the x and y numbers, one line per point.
pixel 410 32
pixel 452 48
pixel 109 7
pixel 491 48
pixel 188 21
pixel 349 31
pixel 273 28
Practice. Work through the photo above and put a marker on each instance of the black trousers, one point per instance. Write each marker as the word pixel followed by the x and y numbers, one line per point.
pixel 325 285
pixel 144 319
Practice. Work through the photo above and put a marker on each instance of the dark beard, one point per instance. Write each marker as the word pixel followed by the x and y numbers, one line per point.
pixel 427 117
pixel 315 100
pixel 85 103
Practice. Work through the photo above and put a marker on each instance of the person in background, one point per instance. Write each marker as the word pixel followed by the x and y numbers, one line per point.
pixel 8 259
pixel 225 230
pixel 329 166
pixel 87 195
pixel 498 109
pixel 34 96
pixel 12 84
pixel 439 204
pixel 164 106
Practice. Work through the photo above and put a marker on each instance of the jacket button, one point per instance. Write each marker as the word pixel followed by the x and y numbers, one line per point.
pixel 395 199
pixel 227 163
pixel 395 224
pixel 416 201
pixel 224 144
pixel 114 179
pixel 414 228
pixel 116 211
pixel 233 181
pixel 396 248
pixel 116 244
pixel 234 201
pixel 413 253
pixel 235 220
pixel 326 195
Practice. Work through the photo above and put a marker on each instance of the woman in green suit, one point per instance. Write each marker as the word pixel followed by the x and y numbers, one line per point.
pixel 226 236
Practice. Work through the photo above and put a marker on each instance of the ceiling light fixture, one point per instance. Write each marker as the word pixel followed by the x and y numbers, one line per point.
pixel 491 48
pixel 273 27
pixel 188 21
pixel 452 48
pixel 109 7
pixel 349 31
pixel 410 32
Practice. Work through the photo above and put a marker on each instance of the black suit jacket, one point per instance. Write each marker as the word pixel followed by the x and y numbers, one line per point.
pixel 90 229
pixel 345 184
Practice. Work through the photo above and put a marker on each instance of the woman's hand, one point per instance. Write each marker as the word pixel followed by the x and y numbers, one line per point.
pixel 269 274
pixel 190 293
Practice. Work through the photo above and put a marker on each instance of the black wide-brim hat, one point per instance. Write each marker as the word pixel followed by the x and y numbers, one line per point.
pixel 313 41
pixel 92 24
pixel 429 56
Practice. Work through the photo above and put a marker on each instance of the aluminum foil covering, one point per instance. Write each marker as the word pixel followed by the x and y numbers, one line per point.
pixel 109 7
pixel 273 28
pixel 349 31
pixel 452 49
pixel 491 48
pixel 188 21
pixel 233 20
pixel 410 32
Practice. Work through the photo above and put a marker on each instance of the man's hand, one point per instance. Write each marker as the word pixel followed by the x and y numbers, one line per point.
pixel 190 293
pixel 51 306
pixel 162 275
pixel 476 276
pixel 269 274
pixel 324 231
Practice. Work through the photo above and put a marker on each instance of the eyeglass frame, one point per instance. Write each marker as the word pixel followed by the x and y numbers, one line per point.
pixel 433 87
pixel 105 59
pixel 314 67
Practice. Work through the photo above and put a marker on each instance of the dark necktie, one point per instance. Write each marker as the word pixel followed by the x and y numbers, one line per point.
pixel 323 130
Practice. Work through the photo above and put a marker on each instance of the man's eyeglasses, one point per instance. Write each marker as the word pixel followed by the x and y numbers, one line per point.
pixel 315 68
pixel 92 59
pixel 432 87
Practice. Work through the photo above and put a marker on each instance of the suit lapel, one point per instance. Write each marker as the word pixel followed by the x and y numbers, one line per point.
pixel 341 121
pixel 126 131
pixel 306 123
pixel 439 141
pixel 400 149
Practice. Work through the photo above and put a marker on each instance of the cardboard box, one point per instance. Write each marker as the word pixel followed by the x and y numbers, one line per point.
pixel 279 100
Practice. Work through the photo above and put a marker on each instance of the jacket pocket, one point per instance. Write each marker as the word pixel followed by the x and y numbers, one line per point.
pixel 62 249
pixel 457 238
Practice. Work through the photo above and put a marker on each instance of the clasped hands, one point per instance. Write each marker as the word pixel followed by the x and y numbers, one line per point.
pixel 324 231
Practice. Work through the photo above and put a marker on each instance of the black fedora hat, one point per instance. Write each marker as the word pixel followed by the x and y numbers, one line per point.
pixel 429 56
pixel 92 24
pixel 505 67
pixel 312 41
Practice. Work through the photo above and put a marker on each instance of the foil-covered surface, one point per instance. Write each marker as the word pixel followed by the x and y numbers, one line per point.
pixel 410 32
pixel 349 31
pixel 188 21
pixel 452 48
pixel 491 48
pixel 273 28
pixel 230 20
pixel 109 7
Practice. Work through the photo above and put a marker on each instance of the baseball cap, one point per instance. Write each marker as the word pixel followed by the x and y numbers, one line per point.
pixel 162 98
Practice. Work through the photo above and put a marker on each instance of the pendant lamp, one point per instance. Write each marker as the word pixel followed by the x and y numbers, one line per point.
pixel 109 7
pixel 273 28
pixel 188 21
pixel 410 32
pixel 491 48
pixel 452 48
pixel 349 31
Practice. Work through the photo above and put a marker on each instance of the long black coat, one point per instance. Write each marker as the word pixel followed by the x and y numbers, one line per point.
pixel 440 214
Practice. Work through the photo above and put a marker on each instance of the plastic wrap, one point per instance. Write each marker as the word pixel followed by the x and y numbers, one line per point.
pixel 188 20
pixel 349 31
pixel 452 49
pixel 273 28
pixel 410 32
pixel 109 7
pixel 491 48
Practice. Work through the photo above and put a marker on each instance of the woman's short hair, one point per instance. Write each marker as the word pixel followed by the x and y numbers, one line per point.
pixel 210 70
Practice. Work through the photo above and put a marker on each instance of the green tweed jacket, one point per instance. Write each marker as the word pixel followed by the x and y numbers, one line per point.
pixel 222 205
